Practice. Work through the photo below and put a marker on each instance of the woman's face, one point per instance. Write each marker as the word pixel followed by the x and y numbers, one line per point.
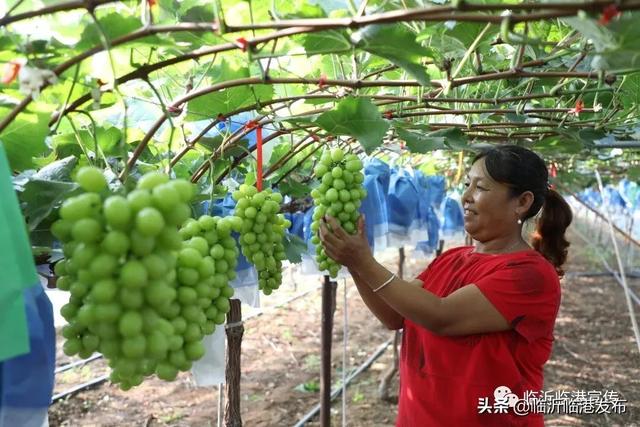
pixel 489 211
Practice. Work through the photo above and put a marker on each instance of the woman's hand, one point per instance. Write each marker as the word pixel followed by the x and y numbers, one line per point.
pixel 346 249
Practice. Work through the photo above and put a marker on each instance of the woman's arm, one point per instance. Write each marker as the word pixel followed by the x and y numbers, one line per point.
pixel 387 315
pixel 463 312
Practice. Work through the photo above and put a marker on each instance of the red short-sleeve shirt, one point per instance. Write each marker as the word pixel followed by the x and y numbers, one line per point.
pixel 443 379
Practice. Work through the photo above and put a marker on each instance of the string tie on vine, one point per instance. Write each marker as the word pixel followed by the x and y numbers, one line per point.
pixel 322 81
pixel 578 108
pixel 242 43
pixel 608 13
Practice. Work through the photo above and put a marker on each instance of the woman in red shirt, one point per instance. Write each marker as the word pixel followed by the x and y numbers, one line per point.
pixel 478 322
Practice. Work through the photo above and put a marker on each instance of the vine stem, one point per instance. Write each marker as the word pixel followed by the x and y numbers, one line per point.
pixel 60 7
pixel 288 30
pixel 470 50
pixel 299 147
pixel 464 12
pixel 107 47
pixel 166 112
pixel 343 83
pixel 145 70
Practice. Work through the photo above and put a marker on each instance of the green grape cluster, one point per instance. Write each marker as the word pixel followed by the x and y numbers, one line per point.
pixel 339 195
pixel 261 233
pixel 121 266
pixel 206 264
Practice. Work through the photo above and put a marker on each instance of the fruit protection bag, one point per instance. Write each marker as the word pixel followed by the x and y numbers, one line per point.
pixel 629 192
pixel 297 223
pixel 374 206
pixel 404 213
pixel 309 266
pixel 453 216
pixel 591 197
pixel 432 191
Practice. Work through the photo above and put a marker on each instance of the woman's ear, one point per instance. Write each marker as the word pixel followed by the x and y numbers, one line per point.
pixel 525 201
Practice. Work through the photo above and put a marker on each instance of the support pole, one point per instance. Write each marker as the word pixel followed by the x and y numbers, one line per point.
pixel 401 260
pixel 235 330
pixel 220 405
pixel 328 309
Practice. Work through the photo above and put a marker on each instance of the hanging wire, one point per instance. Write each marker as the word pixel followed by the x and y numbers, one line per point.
pixel 345 340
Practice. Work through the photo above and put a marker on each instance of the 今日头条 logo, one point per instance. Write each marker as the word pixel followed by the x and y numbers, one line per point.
pixel 504 400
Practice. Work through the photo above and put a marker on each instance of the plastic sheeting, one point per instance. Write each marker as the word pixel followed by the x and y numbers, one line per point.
pixel 26 382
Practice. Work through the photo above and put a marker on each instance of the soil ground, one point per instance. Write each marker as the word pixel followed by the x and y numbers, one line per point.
pixel 594 350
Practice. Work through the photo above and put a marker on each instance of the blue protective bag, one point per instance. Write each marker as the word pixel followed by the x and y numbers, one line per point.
pixel 404 208
pixel 591 197
pixel 297 223
pixel 307 219
pixel 453 216
pixel 374 206
pixel 435 188
pixel 616 201
pixel 431 190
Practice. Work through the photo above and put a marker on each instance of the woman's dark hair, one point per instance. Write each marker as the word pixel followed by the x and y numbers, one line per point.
pixel 523 170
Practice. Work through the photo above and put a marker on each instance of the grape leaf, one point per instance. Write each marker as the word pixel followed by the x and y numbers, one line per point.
pixel 294 247
pixel 230 99
pixel 397 44
pixel 24 139
pixel 356 117
pixel 419 142
pixel 40 197
pixel 332 41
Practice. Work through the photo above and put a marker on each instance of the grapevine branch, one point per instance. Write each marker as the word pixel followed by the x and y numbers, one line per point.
pixel 355 84
pixel 61 7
